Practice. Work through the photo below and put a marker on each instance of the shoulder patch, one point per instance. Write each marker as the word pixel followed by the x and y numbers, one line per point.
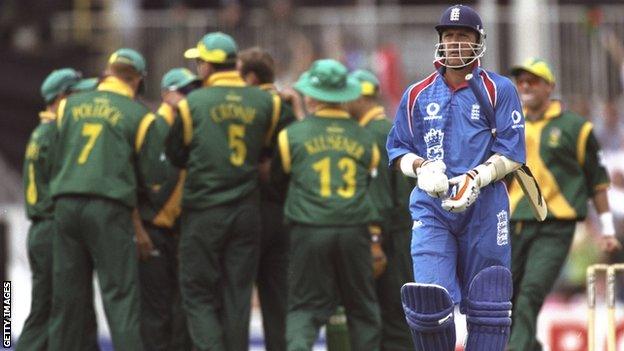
pixel 490 87
pixel 413 93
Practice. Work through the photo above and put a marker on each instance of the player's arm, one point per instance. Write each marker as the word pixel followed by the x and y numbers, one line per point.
pixel 597 178
pixel 281 164
pixel 180 136
pixel 403 156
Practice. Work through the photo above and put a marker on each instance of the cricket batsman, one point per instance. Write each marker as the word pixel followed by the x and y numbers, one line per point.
pixel 460 209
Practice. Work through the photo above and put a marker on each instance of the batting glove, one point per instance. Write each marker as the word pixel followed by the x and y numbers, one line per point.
pixel 432 179
pixel 465 193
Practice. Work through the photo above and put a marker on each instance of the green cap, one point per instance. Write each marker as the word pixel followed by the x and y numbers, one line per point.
pixel 129 57
pixel 537 67
pixel 328 80
pixel 214 47
pixel 368 81
pixel 85 84
pixel 177 78
pixel 58 82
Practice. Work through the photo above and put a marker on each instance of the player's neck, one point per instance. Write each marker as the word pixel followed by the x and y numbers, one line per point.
pixel 456 76
pixel 534 114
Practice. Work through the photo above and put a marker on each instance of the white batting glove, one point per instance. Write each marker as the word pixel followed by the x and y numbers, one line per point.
pixel 432 179
pixel 465 194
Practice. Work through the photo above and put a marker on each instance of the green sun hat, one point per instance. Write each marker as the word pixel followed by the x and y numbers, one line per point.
pixel 328 80
pixel 129 57
pixel 58 82
pixel 216 47
pixel 368 81
pixel 86 84
pixel 177 78
pixel 537 67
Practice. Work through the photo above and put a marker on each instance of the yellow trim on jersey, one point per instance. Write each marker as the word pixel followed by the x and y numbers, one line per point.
pixel 332 113
pixel 374 158
pixel 557 203
pixel 59 112
pixel 225 79
pixel 581 144
pixel 284 148
pixel 187 121
pixel 166 112
pixel 142 131
pixel 170 211
pixel 277 109
pixel 553 110
pixel 116 85
pixel 47 116
pixel 376 112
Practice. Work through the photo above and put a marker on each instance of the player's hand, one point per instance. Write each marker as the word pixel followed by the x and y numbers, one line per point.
pixel 432 179
pixel 609 244
pixel 465 192
pixel 145 247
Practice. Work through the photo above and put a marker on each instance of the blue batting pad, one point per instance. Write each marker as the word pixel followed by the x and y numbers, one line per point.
pixel 489 309
pixel 429 314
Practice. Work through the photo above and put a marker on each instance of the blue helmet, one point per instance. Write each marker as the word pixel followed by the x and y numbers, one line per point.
pixel 461 16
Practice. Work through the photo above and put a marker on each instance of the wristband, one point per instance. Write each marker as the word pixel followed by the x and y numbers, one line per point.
pixel 606 224
pixel 407 164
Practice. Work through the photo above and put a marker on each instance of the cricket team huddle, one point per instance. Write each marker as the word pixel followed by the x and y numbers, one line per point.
pixel 312 194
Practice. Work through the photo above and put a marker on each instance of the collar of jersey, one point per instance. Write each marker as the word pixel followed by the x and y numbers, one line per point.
pixel 166 111
pixel 268 87
pixel 225 78
pixel 332 113
pixel 376 112
pixel 116 85
pixel 47 116
pixel 553 110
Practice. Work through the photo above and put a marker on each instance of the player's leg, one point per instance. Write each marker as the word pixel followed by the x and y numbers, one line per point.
pixel 312 288
pixel 550 244
pixel 429 303
pixel 201 244
pixel 357 287
pixel 271 278
pixel 240 264
pixel 484 244
pixel 35 332
pixel 395 334
pixel 109 236
pixel 72 278
pixel 157 291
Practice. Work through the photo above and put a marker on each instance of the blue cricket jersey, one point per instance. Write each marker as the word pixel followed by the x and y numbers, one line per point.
pixel 439 123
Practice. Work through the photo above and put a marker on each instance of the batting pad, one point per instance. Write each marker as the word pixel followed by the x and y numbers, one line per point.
pixel 489 309
pixel 429 314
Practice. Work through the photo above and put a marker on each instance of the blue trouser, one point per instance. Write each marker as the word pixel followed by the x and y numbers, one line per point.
pixel 449 249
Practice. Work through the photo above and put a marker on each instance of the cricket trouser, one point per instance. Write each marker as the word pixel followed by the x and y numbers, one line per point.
pixel 331 264
pixel 271 278
pixel 94 233
pixel 219 249
pixel 450 249
pixel 34 335
pixel 162 320
pixel 395 334
pixel 539 250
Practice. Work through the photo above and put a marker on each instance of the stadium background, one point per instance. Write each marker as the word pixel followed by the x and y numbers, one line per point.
pixel 584 41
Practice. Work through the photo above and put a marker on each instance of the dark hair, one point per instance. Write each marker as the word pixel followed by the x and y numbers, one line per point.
pixel 258 61
pixel 229 66
pixel 125 72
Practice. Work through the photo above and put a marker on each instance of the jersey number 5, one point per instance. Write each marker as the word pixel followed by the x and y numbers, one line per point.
pixel 91 131
pixel 348 168
pixel 236 133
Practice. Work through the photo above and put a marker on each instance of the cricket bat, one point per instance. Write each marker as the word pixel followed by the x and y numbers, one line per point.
pixel 523 175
